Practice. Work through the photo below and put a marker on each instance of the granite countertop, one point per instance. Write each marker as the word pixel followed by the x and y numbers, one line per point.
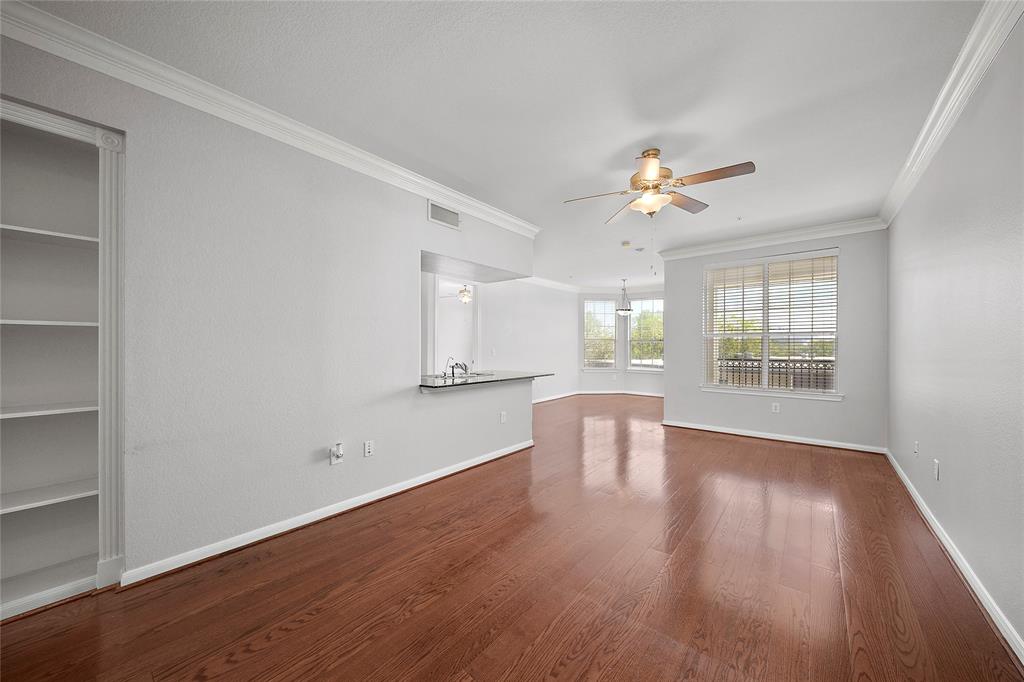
pixel 435 382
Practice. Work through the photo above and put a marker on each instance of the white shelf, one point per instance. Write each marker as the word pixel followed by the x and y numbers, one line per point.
pixel 48 235
pixel 50 323
pixel 31 590
pixel 17 411
pixel 21 500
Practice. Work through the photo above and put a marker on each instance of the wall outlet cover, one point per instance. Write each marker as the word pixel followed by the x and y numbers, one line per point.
pixel 776 408
pixel 336 453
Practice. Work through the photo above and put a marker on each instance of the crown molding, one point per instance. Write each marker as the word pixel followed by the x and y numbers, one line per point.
pixel 772 239
pixel 44 31
pixel 550 284
pixel 990 30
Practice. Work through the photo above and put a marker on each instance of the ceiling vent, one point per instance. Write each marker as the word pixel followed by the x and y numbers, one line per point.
pixel 442 216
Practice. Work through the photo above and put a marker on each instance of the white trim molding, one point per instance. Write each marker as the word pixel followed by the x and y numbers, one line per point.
pixel 557 396
pixel 550 284
pixel 192 556
pixel 1013 638
pixel 46 597
pixel 44 31
pixel 775 238
pixel 59 125
pixel 801 395
pixel 993 24
pixel 574 393
pixel 877 449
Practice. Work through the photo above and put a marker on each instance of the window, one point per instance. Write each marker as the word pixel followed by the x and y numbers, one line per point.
pixel 599 334
pixel 647 334
pixel 782 309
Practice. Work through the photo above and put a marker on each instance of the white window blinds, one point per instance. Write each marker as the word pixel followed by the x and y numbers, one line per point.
pixel 772 325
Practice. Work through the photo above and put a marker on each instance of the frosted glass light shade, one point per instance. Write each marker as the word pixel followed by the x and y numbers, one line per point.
pixel 650 203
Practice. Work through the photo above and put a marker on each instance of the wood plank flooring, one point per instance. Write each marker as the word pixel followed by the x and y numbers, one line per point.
pixel 614 549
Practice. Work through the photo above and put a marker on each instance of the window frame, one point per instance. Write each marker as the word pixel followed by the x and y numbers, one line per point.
pixel 583 338
pixel 765 334
pixel 645 369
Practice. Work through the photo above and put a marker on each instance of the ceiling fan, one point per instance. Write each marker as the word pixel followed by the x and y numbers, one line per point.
pixel 652 177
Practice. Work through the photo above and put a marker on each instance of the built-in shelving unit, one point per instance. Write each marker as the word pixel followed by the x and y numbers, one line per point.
pixel 59 372
pixel 20 500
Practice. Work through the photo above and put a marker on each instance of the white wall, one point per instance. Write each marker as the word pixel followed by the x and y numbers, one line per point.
pixel 621 378
pixel 956 316
pixel 525 326
pixel 455 330
pixel 858 419
pixel 271 308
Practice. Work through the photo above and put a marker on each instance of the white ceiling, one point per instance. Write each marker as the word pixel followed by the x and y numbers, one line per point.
pixel 523 105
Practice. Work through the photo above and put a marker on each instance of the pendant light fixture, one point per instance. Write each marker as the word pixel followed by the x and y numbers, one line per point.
pixel 624 307
pixel 465 294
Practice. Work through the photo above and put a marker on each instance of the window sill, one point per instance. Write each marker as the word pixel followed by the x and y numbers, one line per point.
pixel 801 395
pixel 646 370
pixel 599 370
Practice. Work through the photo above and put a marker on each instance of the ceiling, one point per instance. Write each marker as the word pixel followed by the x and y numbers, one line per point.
pixel 523 105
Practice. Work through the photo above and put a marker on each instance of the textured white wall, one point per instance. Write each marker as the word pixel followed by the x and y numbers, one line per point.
pixel 271 307
pixel 858 419
pixel 956 332
pixel 526 326
pixel 455 326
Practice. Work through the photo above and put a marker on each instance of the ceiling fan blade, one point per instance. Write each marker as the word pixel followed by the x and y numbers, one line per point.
pixel 717 174
pixel 616 214
pixel 606 194
pixel 686 203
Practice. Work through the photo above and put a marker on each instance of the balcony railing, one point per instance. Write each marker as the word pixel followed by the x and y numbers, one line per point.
pixel 783 374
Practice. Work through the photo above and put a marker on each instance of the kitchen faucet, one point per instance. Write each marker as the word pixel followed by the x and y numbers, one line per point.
pixel 454 366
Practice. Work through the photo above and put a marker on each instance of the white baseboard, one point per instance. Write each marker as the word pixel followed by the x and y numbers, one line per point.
pixel 50 596
pixel 228 544
pixel 553 397
pixel 108 571
pixel 572 393
pixel 778 436
pixel 1013 638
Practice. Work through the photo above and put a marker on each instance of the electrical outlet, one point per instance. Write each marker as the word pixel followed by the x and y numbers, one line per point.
pixel 337 453
pixel 494 351
pixel 614 377
pixel 935 468
pixel 502 417
pixel 368 448
pixel 917 447
pixel 776 408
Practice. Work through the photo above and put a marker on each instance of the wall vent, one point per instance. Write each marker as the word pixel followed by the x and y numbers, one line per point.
pixel 442 216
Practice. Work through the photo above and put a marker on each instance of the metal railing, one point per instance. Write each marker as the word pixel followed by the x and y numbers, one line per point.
pixel 783 374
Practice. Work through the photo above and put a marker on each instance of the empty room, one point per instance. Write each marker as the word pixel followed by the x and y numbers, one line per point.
pixel 487 341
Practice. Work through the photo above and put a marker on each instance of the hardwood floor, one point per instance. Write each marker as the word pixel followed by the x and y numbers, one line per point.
pixel 615 549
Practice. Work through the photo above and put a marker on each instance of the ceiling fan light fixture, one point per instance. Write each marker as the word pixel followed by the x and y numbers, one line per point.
pixel 650 168
pixel 650 202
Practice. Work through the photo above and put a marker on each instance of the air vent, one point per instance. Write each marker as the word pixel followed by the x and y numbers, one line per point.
pixel 443 216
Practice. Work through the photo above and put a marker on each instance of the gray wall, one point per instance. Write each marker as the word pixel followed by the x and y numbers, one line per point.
pixel 956 343
pixel 271 308
pixel 858 419
pixel 530 327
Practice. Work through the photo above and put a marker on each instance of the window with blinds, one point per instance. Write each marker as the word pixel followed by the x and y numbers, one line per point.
pixel 599 334
pixel 772 325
